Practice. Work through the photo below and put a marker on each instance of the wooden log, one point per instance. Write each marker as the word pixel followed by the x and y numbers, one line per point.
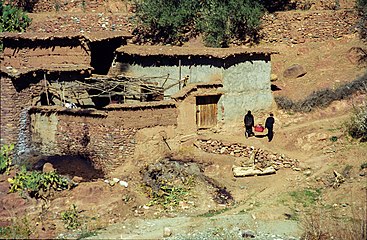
pixel 251 171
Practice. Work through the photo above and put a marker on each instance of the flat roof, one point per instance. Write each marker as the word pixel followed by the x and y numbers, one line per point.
pixel 19 72
pixel 191 51
pixel 94 36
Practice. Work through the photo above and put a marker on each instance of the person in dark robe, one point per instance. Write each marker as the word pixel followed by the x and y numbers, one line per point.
pixel 269 123
pixel 249 124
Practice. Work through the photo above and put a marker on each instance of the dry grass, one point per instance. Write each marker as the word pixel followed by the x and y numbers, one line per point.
pixel 324 97
pixel 324 225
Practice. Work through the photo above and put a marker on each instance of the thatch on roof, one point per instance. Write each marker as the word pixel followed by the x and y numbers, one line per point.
pixel 191 51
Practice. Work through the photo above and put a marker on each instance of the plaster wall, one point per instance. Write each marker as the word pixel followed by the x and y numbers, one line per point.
pixel 44 128
pixel 246 86
pixel 196 73
pixel 186 121
pixel 246 79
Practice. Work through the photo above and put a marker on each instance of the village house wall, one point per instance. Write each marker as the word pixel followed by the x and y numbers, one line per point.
pixel 13 102
pixel 45 54
pixel 19 93
pixel 246 86
pixel 246 79
pixel 107 138
pixel 198 69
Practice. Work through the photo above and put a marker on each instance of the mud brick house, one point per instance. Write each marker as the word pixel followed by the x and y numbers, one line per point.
pixel 244 75
pixel 193 89
pixel 30 63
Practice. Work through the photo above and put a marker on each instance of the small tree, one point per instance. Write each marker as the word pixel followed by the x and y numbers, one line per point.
pixel 220 21
pixel 357 126
pixel 166 21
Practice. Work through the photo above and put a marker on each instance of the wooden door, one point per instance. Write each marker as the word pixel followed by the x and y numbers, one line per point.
pixel 206 111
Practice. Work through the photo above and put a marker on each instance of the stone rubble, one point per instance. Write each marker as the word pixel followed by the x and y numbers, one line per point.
pixel 252 156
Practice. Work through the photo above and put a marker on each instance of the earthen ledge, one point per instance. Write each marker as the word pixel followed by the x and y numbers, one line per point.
pixel 67 111
pixel 142 105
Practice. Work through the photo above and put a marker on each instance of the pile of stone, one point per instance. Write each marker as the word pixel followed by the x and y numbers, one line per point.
pixel 251 156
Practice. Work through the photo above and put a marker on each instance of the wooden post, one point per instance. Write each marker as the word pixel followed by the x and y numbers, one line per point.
pixel 46 89
pixel 63 94
pixel 165 80
pixel 179 74
pixel 124 93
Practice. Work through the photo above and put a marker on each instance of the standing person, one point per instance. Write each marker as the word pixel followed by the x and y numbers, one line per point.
pixel 269 125
pixel 249 124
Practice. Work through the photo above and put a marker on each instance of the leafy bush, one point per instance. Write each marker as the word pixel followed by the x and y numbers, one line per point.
pixel 37 184
pixel 71 218
pixel 12 18
pixel 168 195
pixel 223 21
pixel 5 158
pixel 165 21
pixel 220 21
pixel 357 126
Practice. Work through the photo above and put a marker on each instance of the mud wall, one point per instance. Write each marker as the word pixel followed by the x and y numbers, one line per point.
pixel 105 139
pixel 46 54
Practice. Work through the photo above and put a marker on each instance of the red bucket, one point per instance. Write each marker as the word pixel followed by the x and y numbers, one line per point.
pixel 259 128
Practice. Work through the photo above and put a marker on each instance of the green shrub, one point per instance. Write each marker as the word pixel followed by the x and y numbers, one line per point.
pixel 168 196
pixel 6 158
pixel 220 21
pixel 12 18
pixel 38 184
pixel 165 21
pixel 71 218
pixel 357 125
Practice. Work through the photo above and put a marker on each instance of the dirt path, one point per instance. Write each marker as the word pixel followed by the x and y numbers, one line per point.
pixel 201 227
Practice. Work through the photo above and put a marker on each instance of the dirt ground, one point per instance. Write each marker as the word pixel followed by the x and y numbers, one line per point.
pixel 263 204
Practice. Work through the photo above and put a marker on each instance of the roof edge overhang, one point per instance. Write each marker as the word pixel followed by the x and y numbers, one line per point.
pixel 173 51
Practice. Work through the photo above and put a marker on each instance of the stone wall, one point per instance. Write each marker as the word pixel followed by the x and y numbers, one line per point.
pixel 308 26
pixel 13 102
pixel 71 5
pixel 106 138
